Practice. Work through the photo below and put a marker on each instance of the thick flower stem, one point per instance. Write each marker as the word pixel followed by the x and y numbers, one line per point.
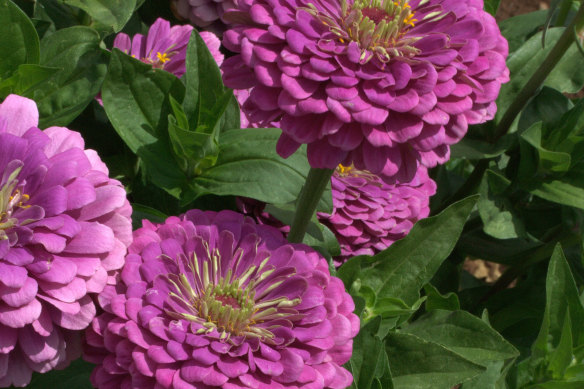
pixel 540 75
pixel 309 197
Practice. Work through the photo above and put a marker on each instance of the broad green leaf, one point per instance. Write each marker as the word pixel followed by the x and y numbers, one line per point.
pixel 369 360
pixel 419 364
pixel 248 165
pixel 491 6
pixel 473 148
pixel 406 266
pixel 559 385
pixel 107 15
pixel 74 376
pixel 492 378
pixel 561 296
pixel 464 334
pixel 548 161
pixel 567 189
pixel 142 212
pixel 496 211
pixel 563 355
pixel 548 107
pixel 83 65
pixel 25 79
pixel 18 39
pixel 135 98
pixel 317 234
pixel 519 28
pixel 204 89
pixel 567 76
pixel 436 300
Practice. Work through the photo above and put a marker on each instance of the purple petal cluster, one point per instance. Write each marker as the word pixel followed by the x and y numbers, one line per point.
pixel 164 47
pixel 385 86
pixel 203 13
pixel 214 300
pixel 369 214
pixel 64 231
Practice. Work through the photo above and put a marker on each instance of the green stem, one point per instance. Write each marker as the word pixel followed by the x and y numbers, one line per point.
pixel 539 76
pixel 308 199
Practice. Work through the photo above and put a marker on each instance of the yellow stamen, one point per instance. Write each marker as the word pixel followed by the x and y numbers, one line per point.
pixel 162 57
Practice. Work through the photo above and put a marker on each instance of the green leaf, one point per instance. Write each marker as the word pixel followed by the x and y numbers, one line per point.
pixel 559 385
pixel 204 89
pixel 406 266
pixel 496 210
pixel 436 300
pixel 83 65
pixel 567 76
pixel 248 165
pixel 135 98
pixel 418 364
pixel 491 6
pixel 25 79
pixel 107 15
pixel 369 360
pixel 317 234
pixel 464 334
pixel 567 189
pixel 142 212
pixel 561 297
pixel 548 161
pixel 519 28
pixel 18 39
pixel 75 376
pixel 563 355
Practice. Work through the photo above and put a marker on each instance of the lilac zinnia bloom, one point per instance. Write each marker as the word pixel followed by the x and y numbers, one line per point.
pixel 215 300
pixel 64 229
pixel 164 47
pixel 203 13
pixel 369 214
pixel 385 86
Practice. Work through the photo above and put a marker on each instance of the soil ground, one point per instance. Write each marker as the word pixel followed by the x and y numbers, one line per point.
pixel 508 8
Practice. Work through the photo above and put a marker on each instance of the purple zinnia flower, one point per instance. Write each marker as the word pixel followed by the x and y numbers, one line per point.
pixel 64 229
pixel 203 13
pixel 164 47
pixel 383 85
pixel 215 300
pixel 369 214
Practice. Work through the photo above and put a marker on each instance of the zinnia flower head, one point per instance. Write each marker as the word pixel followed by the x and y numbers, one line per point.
pixel 202 13
pixel 64 229
pixel 214 300
pixel 164 47
pixel 384 85
pixel 369 214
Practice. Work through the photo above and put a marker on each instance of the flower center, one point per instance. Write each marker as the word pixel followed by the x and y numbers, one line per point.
pixel 378 26
pixel 344 170
pixel 11 198
pixel 232 305
pixel 160 60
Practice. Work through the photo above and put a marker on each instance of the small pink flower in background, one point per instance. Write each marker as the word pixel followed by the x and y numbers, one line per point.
pixel 64 231
pixel 203 13
pixel 214 300
pixel 369 214
pixel 164 47
pixel 385 87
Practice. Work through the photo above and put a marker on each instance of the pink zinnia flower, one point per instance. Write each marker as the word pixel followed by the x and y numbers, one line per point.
pixel 64 229
pixel 369 214
pixel 386 86
pixel 202 13
pixel 165 47
pixel 215 300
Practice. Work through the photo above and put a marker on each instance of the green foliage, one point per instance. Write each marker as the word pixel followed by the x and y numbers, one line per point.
pixel 82 62
pixel 18 39
pixel 107 15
